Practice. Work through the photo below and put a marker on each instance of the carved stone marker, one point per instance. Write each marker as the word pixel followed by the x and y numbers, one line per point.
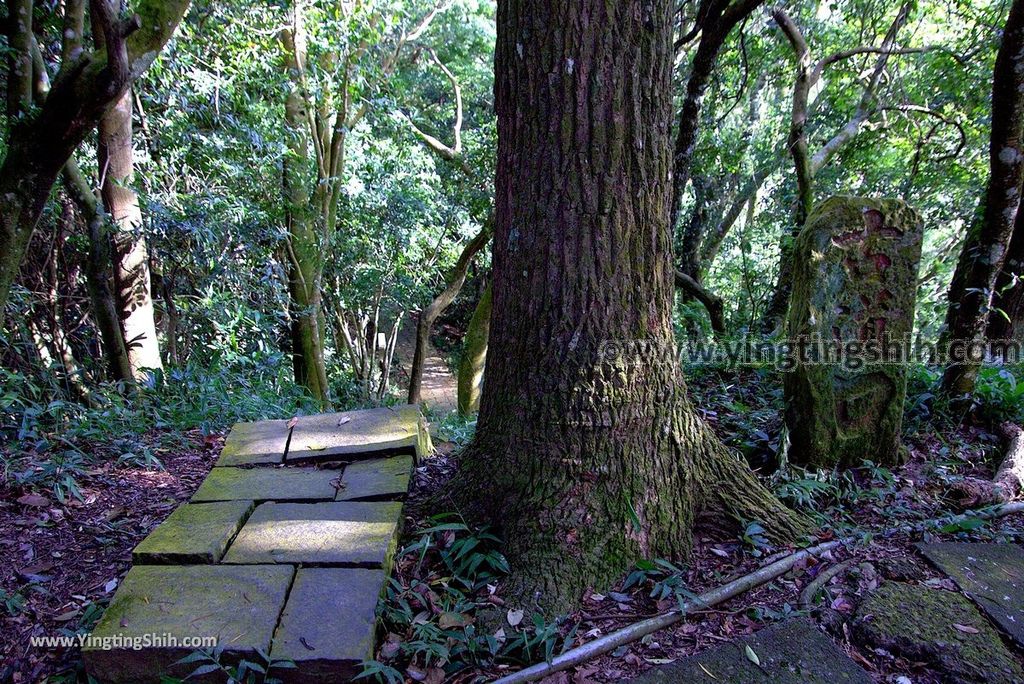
pixel 850 323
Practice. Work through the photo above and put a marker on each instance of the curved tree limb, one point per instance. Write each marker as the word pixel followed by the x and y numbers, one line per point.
pixel 711 302
pixel 455 280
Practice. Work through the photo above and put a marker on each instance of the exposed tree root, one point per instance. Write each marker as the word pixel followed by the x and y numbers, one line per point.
pixel 1008 483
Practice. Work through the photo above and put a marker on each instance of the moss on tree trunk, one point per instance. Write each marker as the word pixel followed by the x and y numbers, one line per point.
pixel 588 454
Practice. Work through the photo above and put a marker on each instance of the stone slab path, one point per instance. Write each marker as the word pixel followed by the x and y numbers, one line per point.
pixel 272 555
pixel 791 652
pixel 439 389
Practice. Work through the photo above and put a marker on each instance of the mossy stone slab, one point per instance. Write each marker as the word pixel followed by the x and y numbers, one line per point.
pixel 991 574
pixel 261 443
pixel 268 484
pixel 237 605
pixel 792 652
pixel 328 625
pixel 941 628
pixel 193 534
pixel 344 534
pixel 382 479
pixel 354 435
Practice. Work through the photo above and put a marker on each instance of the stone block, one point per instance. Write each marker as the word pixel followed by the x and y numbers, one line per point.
pixel 991 574
pixel 342 534
pixel 193 534
pixel 383 479
pixel 850 320
pixel 259 443
pixel 158 608
pixel 328 625
pixel 355 435
pixel 268 484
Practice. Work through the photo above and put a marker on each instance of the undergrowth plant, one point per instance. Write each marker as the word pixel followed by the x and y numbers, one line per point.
pixel 441 611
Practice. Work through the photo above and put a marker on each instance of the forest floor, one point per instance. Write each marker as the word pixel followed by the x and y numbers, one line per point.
pixel 67 553
pixel 67 557
pixel 878 506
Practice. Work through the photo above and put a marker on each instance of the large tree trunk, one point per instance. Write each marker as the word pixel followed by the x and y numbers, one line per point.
pixel 39 146
pixel 474 356
pixel 985 249
pixel 1006 322
pixel 131 256
pixel 588 454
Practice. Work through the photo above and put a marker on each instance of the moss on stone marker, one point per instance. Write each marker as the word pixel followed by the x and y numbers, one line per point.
pixel 258 443
pixel 359 434
pixel 268 484
pixel 383 479
pixel 193 534
pixel 237 605
pixel 328 625
pixel 942 628
pixel 853 302
pixel 344 534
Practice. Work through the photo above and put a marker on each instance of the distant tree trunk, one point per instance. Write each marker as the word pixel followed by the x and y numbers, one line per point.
pixel 98 272
pixel 307 232
pixel 437 306
pixel 474 356
pixel 39 146
pixel 985 248
pixel 714 25
pixel 1006 322
pixel 588 454
pixel 131 255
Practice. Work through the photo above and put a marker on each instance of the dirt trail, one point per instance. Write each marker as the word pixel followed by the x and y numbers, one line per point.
pixel 439 391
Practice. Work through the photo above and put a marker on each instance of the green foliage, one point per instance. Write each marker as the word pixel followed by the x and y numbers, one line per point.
pixel 245 672
pixel 437 613
pixel 664 578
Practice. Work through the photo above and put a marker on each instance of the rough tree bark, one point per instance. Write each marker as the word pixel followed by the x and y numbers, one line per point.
pixel 474 356
pixel 588 454
pixel 1006 322
pixel 132 280
pixel 985 248
pixel 40 145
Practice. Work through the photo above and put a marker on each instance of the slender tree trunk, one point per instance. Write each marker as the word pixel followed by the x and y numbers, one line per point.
pixel 39 147
pixel 436 307
pixel 474 356
pixel 132 279
pixel 588 454
pixel 98 272
pixel 985 249
pixel 306 237
pixel 1006 322
pixel 716 24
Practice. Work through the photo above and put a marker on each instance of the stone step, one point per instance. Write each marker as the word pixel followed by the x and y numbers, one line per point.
pixel 344 534
pixel 269 556
pixel 791 652
pixel 991 574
